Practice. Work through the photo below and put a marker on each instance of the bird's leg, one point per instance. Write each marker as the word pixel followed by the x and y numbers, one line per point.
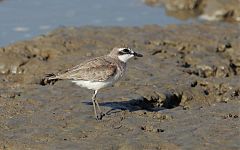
pixel 94 104
pixel 100 112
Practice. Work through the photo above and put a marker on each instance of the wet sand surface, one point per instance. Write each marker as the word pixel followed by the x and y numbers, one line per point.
pixel 183 94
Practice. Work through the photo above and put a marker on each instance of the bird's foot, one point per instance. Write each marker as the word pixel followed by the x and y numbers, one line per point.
pixel 100 116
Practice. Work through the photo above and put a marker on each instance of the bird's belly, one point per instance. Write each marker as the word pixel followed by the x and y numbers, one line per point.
pixel 92 85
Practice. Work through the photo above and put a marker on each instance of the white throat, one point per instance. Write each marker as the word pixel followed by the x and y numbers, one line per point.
pixel 125 57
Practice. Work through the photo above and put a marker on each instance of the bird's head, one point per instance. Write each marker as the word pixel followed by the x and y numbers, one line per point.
pixel 124 54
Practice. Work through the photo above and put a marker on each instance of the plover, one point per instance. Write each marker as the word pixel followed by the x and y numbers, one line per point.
pixel 97 73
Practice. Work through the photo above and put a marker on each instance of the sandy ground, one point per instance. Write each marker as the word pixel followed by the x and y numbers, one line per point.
pixel 183 94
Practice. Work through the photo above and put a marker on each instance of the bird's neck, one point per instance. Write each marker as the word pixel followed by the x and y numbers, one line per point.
pixel 124 58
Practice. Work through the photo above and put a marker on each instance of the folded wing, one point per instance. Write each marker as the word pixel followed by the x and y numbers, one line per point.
pixel 98 69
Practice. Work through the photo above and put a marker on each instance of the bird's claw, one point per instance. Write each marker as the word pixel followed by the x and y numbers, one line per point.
pixel 100 116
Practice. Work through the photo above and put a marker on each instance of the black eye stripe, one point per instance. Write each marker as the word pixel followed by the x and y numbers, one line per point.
pixel 126 50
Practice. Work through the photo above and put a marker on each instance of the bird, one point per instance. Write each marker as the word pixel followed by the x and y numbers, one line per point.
pixel 97 73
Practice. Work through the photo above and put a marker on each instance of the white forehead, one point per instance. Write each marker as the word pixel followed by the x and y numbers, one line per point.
pixel 120 49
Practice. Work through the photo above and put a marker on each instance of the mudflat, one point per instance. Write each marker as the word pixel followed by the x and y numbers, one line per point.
pixel 183 94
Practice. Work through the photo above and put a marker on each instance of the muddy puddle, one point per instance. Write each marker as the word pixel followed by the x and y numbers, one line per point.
pixel 183 94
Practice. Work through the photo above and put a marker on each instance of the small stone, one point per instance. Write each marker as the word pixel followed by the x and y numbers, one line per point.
pixel 160 130
pixel 143 128
pixel 221 48
pixel 235 116
pixel 194 84
pixel 186 107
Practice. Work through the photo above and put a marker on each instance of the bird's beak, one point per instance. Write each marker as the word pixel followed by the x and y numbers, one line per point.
pixel 137 54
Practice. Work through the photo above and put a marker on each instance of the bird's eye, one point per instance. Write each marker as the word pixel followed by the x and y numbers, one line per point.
pixel 126 50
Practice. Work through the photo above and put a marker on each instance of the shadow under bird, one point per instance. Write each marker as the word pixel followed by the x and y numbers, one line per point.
pixel 97 73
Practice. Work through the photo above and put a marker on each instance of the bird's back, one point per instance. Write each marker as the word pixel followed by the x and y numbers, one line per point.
pixel 96 69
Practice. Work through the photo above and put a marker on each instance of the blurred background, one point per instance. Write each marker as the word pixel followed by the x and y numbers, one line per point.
pixel 24 19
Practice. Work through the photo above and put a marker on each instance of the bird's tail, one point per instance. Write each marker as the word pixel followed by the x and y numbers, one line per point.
pixel 49 79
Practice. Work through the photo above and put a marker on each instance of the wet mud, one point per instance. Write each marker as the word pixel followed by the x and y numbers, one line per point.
pixel 183 94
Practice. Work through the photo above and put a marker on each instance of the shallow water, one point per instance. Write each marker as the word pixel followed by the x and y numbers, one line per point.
pixel 23 19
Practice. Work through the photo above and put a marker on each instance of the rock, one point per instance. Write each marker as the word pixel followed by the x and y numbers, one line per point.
pixel 204 71
pixel 7 65
pixel 211 10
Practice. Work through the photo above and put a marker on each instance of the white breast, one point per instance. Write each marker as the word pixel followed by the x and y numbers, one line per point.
pixel 91 84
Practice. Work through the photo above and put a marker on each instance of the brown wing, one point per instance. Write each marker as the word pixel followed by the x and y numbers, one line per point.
pixel 98 69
